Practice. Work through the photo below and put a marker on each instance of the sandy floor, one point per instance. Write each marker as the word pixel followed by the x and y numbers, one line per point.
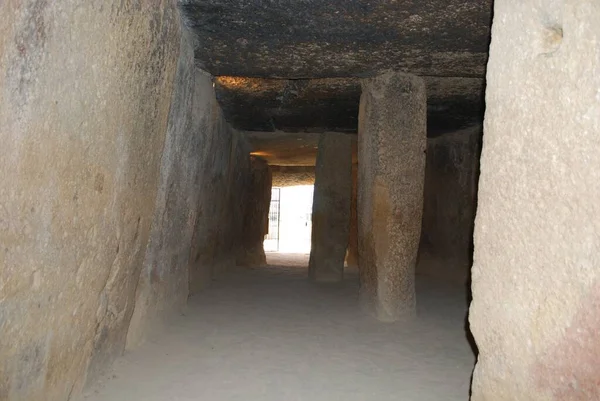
pixel 269 334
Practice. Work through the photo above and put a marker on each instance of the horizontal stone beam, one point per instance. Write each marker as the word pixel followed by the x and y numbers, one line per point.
pixel 331 105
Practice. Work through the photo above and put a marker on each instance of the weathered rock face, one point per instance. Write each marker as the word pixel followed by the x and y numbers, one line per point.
pixel 313 105
pixel 536 275
pixel 331 208
pixel 122 178
pixel 256 215
pixel 317 39
pixel 163 280
pixel 223 188
pixel 197 219
pixel 83 119
pixel 285 149
pixel 451 175
pixel 331 105
pixel 288 149
pixel 289 176
pixel 391 153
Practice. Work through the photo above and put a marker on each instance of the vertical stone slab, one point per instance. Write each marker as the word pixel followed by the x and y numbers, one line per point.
pixel 85 94
pixel 535 313
pixel 222 182
pixel 352 253
pixel 391 151
pixel 451 175
pixel 256 218
pixel 331 208
pixel 162 288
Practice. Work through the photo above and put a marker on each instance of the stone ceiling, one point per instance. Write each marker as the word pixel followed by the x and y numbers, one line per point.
pixel 295 66
pixel 288 149
pixel 301 39
pixel 285 149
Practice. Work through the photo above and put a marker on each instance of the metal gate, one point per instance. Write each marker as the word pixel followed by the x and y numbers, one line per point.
pixel 272 238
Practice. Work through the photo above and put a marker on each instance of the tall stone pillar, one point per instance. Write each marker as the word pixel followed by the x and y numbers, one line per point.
pixel 535 313
pixel 331 207
pixel 391 154
pixel 256 216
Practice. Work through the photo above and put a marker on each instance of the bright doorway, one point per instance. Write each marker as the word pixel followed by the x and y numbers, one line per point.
pixel 290 220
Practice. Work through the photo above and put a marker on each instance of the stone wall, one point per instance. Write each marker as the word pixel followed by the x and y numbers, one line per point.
pixel 451 174
pixel 352 252
pixel 197 217
pixel 224 198
pixel 86 91
pixel 535 313
pixel 89 100
pixel 223 193
pixel 289 176
pixel 255 222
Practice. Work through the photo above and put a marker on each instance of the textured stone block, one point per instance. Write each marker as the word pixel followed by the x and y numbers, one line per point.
pixel 391 154
pixel 535 313
pixel 331 207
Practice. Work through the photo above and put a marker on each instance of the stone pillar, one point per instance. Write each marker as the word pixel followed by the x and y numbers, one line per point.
pixel 256 216
pixel 391 151
pixel 352 253
pixel 535 313
pixel 331 207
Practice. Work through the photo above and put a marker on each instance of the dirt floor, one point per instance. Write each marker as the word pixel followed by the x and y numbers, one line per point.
pixel 269 334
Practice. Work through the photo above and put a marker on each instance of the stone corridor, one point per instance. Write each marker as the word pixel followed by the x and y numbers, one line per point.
pixel 452 147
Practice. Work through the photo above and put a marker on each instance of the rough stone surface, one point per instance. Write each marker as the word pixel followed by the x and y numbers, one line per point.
pixel 285 149
pixel 289 176
pixel 163 282
pixel 451 174
pixel 535 313
pixel 224 187
pixel 203 164
pixel 288 149
pixel 331 208
pixel 320 105
pixel 317 39
pixel 306 105
pixel 352 252
pixel 391 151
pixel 256 215
pixel 85 92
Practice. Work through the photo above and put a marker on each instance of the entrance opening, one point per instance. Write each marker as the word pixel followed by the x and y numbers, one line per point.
pixel 271 243
pixel 290 223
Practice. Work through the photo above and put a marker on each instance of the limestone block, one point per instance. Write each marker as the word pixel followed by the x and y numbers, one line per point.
pixel 331 207
pixel 256 218
pixel 85 94
pixel 451 175
pixel 535 313
pixel 352 252
pixel 289 176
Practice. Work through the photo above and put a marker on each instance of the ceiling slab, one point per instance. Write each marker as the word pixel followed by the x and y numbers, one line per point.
pixel 285 149
pixel 300 39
